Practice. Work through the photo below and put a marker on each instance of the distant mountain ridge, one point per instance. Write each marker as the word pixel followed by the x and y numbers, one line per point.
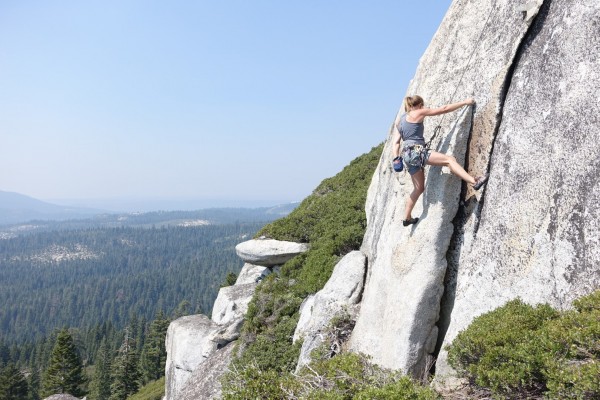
pixel 17 208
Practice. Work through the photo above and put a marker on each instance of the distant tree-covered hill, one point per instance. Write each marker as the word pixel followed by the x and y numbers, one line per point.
pixel 82 277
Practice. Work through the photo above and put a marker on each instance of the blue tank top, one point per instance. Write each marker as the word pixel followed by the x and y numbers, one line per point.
pixel 411 132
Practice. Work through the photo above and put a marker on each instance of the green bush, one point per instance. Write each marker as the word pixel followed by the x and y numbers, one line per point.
pixel 403 389
pixel 518 350
pixel 353 376
pixel 252 382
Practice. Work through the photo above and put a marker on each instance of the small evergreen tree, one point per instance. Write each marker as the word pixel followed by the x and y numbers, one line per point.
pixel 182 309
pixel 126 374
pixel 230 279
pixel 65 371
pixel 100 385
pixel 154 354
pixel 34 383
pixel 13 385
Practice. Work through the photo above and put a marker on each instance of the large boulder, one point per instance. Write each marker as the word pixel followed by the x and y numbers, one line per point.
pixel 472 54
pixel 232 303
pixel 62 396
pixel 538 237
pixel 188 345
pixel 205 381
pixel 341 292
pixel 269 252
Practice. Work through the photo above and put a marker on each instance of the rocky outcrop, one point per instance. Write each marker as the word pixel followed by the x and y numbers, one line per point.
pixel 62 396
pixel 269 252
pixel 339 297
pixel 535 78
pixel 188 345
pixel 199 348
pixel 232 303
pixel 251 273
pixel 538 236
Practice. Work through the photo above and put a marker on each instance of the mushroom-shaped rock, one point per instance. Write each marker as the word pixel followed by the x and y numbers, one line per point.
pixel 269 252
pixel 341 292
pixel 232 303
pixel 188 345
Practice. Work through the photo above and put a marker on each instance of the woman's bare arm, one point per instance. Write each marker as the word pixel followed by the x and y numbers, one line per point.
pixel 428 112
pixel 396 139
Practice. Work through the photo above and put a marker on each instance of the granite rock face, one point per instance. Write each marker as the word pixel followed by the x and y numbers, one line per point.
pixel 251 273
pixel 269 252
pixel 62 396
pixel 538 237
pixel 232 302
pixel 472 55
pixel 188 345
pixel 533 69
pixel 342 291
pixel 204 383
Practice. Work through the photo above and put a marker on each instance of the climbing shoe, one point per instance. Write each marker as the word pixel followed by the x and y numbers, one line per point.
pixel 480 181
pixel 407 222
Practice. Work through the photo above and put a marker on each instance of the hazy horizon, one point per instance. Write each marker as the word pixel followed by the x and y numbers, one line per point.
pixel 166 204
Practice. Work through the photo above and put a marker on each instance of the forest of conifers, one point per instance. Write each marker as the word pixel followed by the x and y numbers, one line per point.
pixel 78 278
pixel 109 278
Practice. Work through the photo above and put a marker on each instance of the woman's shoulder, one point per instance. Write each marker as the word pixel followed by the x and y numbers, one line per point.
pixel 415 116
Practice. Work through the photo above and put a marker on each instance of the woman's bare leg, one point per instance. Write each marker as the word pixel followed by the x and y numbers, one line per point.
pixel 442 160
pixel 418 180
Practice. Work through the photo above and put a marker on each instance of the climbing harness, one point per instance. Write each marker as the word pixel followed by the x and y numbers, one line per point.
pixel 414 156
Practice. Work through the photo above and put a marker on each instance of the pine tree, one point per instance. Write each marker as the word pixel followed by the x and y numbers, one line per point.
pixel 34 384
pixel 182 309
pixel 65 371
pixel 154 355
pixel 100 385
pixel 13 385
pixel 126 374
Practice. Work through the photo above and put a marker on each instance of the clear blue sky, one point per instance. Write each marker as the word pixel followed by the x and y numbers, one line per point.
pixel 221 101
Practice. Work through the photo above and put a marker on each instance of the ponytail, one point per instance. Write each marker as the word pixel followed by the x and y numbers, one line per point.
pixel 412 101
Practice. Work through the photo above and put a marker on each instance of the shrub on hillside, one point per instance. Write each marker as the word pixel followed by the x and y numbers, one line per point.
pixel 343 377
pixel 519 350
pixel 353 376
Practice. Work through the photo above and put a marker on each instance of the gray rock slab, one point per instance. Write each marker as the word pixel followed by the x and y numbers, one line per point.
pixel 205 381
pixel 269 252
pixel 538 237
pixel 470 55
pixel 251 273
pixel 232 303
pixel 340 293
pixel 62 396
pixel 188 345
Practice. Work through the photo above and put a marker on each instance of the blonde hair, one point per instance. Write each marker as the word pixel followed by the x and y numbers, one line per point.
pixel 411 102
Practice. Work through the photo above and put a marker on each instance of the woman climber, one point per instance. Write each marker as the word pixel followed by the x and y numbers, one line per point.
pixel 410 130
